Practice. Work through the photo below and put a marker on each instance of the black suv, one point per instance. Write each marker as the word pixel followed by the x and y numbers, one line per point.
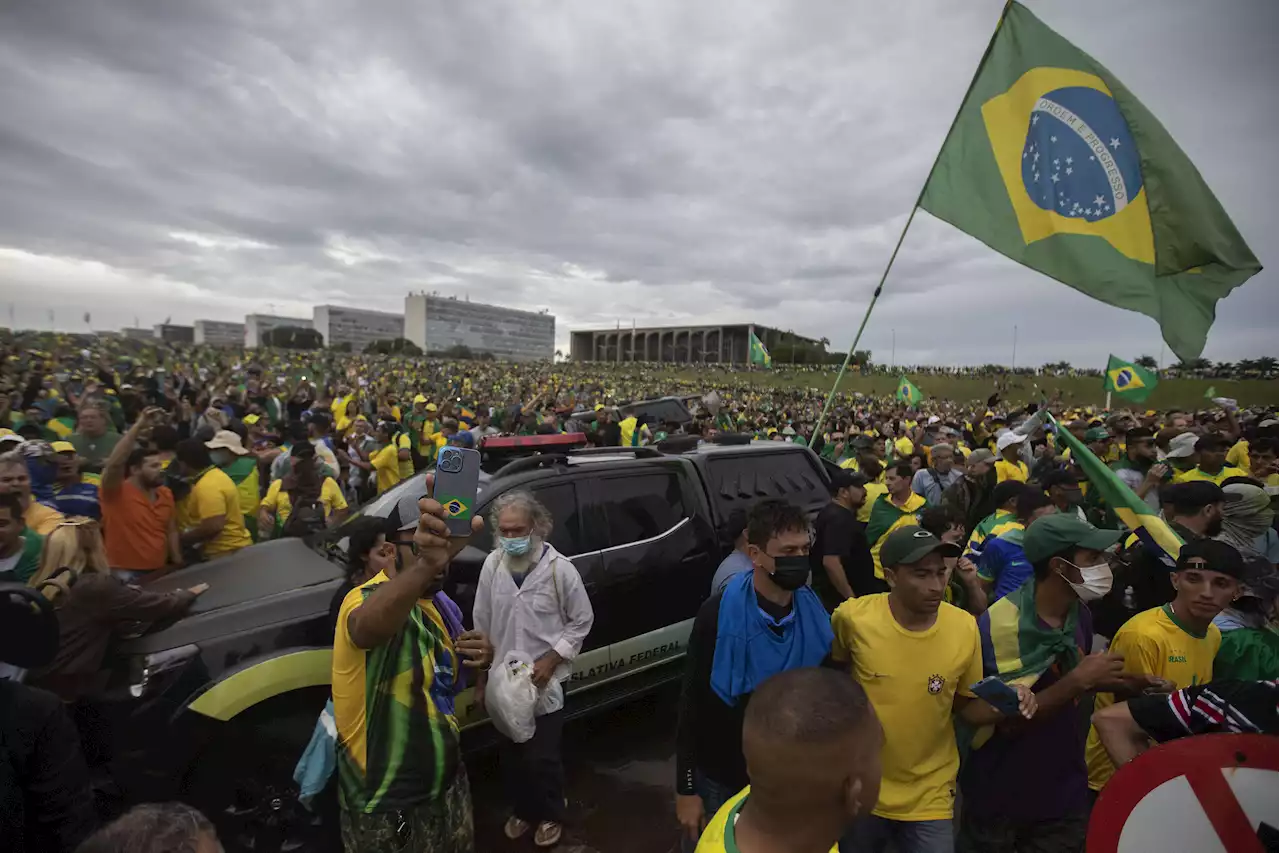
pixel 218 707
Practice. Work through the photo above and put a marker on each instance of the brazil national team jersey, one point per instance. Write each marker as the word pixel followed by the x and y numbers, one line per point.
pixel 719 836
pixel 393 706
pixel 1154 642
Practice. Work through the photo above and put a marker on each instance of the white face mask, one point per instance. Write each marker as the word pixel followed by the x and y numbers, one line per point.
pixel 1095 581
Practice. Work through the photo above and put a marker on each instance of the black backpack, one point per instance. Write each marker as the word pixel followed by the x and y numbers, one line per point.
pixel 307 517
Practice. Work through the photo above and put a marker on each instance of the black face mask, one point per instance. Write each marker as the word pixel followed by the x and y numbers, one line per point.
pixel 790 572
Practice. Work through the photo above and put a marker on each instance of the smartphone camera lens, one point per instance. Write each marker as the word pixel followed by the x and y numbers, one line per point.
pixel 451 462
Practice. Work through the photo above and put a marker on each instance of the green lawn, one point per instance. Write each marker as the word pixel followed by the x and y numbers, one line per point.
pixel 1171 393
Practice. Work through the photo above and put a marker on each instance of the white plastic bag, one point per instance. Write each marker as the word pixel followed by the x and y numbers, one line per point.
pixel 550 698
pixel 510 697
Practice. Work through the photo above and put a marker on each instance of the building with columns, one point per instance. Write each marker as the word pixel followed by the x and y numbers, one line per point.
pixel 720 344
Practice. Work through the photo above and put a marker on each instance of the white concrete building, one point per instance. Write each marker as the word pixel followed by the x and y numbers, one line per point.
pixel 436 323
pixel 257 325
pixel 358 327
pixel 218 333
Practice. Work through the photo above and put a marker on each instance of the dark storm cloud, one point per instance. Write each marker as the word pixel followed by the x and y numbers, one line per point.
pixel 662 161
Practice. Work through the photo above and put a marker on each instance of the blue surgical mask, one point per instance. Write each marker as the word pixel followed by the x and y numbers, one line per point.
pixel 516 546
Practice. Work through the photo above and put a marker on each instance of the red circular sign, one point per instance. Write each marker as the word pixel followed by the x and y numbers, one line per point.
pixel 1212 767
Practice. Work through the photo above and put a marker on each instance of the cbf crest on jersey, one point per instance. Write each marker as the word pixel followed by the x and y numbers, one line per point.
pixel 1052 162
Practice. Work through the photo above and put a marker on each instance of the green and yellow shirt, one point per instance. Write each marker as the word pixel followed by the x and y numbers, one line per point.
pixel 393 708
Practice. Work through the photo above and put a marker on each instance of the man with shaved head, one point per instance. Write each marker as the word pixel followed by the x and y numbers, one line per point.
pixel 812 744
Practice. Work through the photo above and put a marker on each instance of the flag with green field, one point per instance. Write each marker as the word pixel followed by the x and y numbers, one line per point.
pixel 760 355
pixel 907 391
pixel 1128 381
pixel 1156 536
pixel 1055 164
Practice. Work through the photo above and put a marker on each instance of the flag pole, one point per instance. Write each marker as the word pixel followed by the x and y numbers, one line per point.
pixel 875 295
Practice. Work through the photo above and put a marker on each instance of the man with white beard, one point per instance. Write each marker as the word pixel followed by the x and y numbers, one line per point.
pixel 530 599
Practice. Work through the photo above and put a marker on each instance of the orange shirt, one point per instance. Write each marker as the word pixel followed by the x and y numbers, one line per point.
pixel 136 529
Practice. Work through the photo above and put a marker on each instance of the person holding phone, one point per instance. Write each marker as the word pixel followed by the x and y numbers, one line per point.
pixel 397 647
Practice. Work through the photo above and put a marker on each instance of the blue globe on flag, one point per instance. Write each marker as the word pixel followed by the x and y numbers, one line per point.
pixel 1123 378
pixel 1079 159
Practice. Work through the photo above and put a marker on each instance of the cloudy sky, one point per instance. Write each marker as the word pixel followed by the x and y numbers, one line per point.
pixel 660 160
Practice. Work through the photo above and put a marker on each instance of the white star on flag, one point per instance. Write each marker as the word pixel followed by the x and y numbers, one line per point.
pixel 1053 139
pixel 1035 157
pixel 1036 176
pixel 1070 161
pixel 1055 161
pixel 1097 199
pixel 1054 177
pixel 1115 143
pixel 1068 170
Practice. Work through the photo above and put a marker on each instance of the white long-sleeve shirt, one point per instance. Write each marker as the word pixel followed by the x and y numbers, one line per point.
pixel 550 610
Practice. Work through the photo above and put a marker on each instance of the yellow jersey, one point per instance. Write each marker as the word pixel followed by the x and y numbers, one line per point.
pixel 1009 471
pixel 719 836
pixel 912 678
pixel 386 462
pixel 1217 479
pixel 212 495
pixel 1238 455
pixel 1154 642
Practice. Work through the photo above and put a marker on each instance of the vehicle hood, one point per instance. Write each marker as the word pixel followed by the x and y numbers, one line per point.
pixel 253 573
pixel 266 584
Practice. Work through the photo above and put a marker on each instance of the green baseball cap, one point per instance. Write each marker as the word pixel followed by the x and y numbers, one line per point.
pixel 911 544
pixel 1052 534
pixel 1097 434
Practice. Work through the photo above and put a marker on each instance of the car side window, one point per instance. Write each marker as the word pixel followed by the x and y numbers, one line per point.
pixel 640 507
pixel 566 525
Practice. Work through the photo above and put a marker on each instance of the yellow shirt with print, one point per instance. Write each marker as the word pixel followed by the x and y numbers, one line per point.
pixel 904 447
pixel 1195 474
pixel 719 836
pixel 386 462
pixel 278 501
pixel 1009 471
pixel 212 495
pixel 1154 642
pixel 912 678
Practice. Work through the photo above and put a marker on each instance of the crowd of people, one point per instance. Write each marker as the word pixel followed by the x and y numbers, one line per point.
pixel 963 541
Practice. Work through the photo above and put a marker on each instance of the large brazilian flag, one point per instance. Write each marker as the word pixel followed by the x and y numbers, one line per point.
pixel 1054 163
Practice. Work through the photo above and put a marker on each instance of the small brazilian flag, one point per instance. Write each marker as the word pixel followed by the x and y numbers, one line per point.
pixel 907 392
pixel 759 355
pixel 1128 381
pixel 1055 164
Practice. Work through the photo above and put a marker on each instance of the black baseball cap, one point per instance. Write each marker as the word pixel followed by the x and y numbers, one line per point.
pixel 1213 556
pixel 845 479
pixel 912 544
pixel 1192 494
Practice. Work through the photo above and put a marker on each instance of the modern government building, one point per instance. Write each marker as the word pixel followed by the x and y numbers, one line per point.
pixel 723 344
pixel 434 323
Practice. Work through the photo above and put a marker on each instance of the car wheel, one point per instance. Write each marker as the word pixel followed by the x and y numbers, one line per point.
pixel 243 781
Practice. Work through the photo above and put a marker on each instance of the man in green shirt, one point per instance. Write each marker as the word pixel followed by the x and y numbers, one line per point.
pixel 20 546
pixel 93 439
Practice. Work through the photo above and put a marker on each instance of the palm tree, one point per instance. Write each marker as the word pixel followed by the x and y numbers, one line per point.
pixel 1266 364
pixel 1146 361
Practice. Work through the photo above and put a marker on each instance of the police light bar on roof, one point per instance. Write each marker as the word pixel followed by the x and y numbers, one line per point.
pixel 534 442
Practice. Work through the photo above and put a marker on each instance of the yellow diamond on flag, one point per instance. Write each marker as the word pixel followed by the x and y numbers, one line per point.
pixel 1125 379
pixel 455 507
